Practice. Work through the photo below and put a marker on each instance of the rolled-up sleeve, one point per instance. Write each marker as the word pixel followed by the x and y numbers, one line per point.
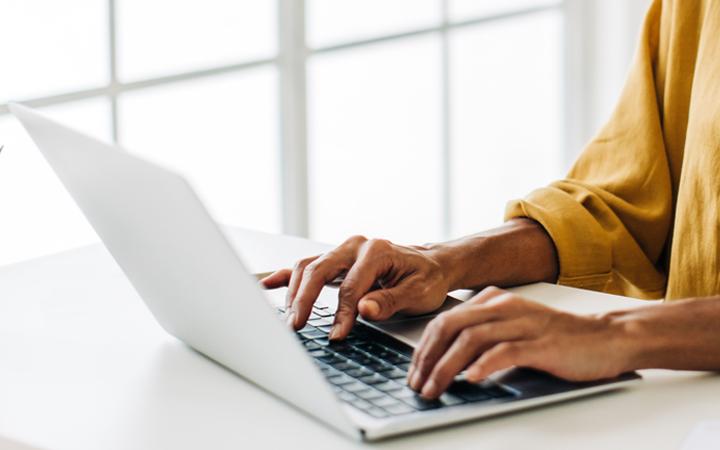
pixel 611 217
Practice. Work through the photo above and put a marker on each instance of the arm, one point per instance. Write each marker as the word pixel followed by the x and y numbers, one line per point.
pixel 519 252
pixel 415 280
pixel 498 330
pixel 611 216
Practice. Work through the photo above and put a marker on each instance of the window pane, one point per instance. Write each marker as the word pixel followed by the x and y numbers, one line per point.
pixel 38 215
pixel 333 21
pixel 221 132
pixel 506 115
pixel 468 9
pixel 375 141
pixel 160 37
pixel 51 46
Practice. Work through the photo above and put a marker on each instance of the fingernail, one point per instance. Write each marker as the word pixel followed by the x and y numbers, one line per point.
pixel 334 331
pixel 415 381
pixel 429 391
pixel 290 320
pixel 371 307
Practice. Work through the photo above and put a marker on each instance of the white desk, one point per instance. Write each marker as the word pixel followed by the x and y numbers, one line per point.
pixel 84 366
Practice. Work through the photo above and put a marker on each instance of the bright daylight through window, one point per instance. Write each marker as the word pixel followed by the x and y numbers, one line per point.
pixel 414 110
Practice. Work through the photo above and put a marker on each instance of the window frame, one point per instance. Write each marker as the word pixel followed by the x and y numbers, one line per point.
pixel 291 61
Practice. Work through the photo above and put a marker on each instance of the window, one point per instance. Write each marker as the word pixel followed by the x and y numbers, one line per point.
pixel 421 117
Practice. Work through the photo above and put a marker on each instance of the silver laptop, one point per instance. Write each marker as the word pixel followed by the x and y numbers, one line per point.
pixel 194 283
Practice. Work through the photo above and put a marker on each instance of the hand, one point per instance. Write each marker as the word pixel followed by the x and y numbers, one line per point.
pixel 412 282
pixel 497 330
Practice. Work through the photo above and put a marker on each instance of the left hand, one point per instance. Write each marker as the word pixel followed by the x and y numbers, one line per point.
pixel 497 330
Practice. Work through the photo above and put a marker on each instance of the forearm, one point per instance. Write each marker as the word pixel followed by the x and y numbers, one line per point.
pixel 519 252
pixel 682 335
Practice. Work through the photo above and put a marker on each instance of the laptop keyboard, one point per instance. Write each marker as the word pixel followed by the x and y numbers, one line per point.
pixel 368 370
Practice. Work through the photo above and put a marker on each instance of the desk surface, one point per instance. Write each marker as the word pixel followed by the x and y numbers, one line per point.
pixel 84 366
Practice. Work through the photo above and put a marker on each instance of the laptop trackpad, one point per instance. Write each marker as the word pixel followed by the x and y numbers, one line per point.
pixel 409 329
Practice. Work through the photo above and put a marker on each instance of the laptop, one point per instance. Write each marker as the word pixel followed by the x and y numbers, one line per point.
pixel 193 281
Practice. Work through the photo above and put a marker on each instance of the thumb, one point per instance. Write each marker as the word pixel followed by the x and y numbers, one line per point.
pixel 381 304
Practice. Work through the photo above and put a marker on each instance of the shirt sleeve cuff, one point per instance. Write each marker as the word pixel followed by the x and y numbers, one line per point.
pixel 584 252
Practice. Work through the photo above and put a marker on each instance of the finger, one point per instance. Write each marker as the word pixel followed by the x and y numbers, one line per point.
pixel 503 356
pixel 277 279
pixel 486 295
pixel 295 280
pixel 383 303
pixel 439 335
pixel 372 261
pixel 316 274
pixel 470 343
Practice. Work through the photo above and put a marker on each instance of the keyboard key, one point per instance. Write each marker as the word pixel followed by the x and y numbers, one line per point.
pixel 325 328
pixel 322 342
pixel 450 400
pixel 345 365
pixel 498 392
pixel 321 322
pixel 346 396
pixel 373 379
pixel 403 393
pixel 378 366
pixel 370 347
pixel 313 334
pixel 359 372
pixel 388 386
pixel 369 394
pixel 384 401
pixel 355 387
pixel 322 313
pixel 421 404
pixel 468 391
pixel 377 412
pixel 394 374
pixel 398 359
pixel 311 345
pixel 361 404
pixel 330 372
pixel 398 409
pixel 341 379
pixel 320 354
pixel 329 358
pixel 404 366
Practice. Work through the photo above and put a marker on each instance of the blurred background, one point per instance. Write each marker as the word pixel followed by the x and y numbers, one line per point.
pixel 414 120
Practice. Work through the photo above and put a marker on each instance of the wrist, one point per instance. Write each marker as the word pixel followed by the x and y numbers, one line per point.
pixel 630 340
pixel 452 260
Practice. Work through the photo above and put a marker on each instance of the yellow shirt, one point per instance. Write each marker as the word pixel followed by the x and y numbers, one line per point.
pixel 638 214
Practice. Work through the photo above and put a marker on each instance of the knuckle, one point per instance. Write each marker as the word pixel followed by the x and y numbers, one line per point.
pixel 389 299
pixel 378 245
pixel 508 350
pixel 348 290
pixel 311 268
pixel 301 264
pixel 492 290
pixel 355 240
pixel 466 337
pixel 441 322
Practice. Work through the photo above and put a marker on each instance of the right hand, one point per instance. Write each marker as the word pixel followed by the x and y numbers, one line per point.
pixel 413 281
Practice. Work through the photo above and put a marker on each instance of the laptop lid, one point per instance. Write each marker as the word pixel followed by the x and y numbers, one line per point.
pixel 182 265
